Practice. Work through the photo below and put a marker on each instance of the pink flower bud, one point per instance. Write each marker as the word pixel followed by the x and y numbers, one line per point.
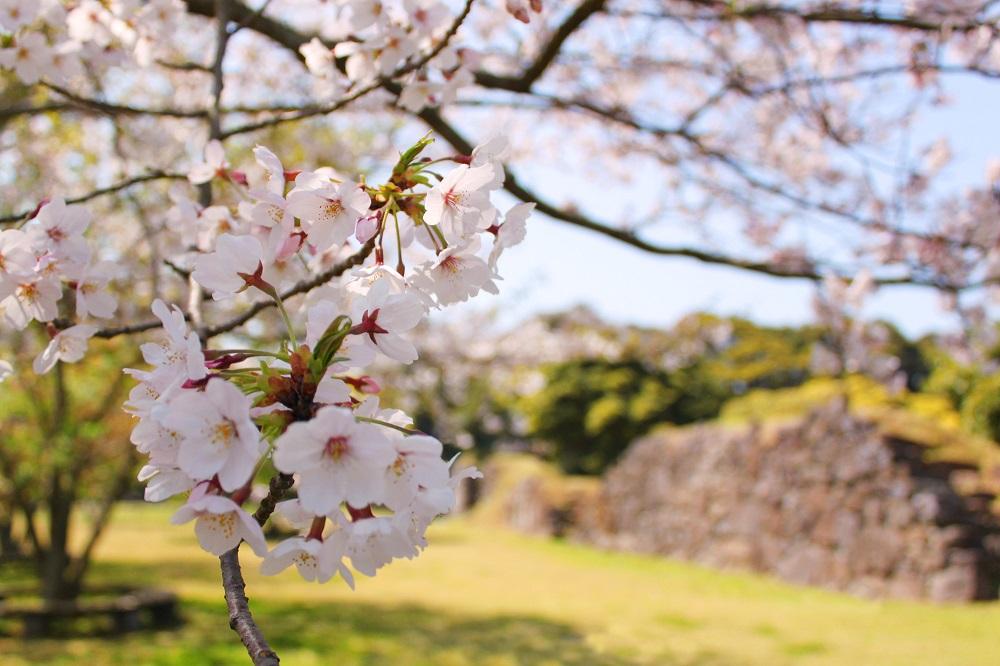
pixel 366 228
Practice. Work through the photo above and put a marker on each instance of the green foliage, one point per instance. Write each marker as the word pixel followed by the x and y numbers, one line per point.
pixel 69 420
pixel 863 394
pixel 981 408
pixel 759 356
pixel 947 376
pixel 590 410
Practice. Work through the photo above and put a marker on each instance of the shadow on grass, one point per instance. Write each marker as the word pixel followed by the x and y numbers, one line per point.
pixel 310 633
pixel 346 634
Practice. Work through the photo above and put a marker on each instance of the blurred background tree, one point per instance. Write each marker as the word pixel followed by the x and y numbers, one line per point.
pixel 65 459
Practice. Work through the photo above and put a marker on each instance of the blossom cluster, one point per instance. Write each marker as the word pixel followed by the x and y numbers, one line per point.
pixel 367 482
pixel 53 40
pixel 43 260
pixel 383 39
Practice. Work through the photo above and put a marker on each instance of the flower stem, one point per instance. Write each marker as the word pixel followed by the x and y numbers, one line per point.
pixel 405 431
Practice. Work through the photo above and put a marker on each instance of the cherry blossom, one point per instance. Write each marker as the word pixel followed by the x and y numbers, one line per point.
pixel 511 232
pixel 214 166
pixel 456 275
pixel 372 543
pixel 418 464
pixel 337 458
pixel 6 370
pixel 30 57
pixel 461 201
pixel 220 271
pixel 218 438
pixel 305 555
pixel 92 297
pixel 319 58
pixel 181 355
pixel 17 261
pixel 383 318
pixel 68 346
pixel 332 391
pixel 17 13
pixel 32 299
pixel 59 228
pixel 328 211
pixel 221 524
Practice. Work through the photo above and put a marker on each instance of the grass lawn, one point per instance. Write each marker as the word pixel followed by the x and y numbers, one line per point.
pixel 485 597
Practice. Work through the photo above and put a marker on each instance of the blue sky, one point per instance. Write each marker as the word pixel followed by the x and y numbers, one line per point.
pixel 559 266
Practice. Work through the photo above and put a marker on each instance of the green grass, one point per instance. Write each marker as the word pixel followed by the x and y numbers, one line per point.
pixel 485 597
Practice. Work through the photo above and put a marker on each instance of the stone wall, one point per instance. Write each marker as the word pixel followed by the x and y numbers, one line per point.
pixel 827 500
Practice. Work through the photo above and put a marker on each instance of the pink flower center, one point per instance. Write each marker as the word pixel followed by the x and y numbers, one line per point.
pixel 333 208
pixel 28 292
pixel 451 264
pixel 452 198
pixel 369 324
pixel 223 432
pixel 336 447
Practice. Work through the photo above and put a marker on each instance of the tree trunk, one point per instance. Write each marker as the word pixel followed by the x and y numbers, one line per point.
pixel 56 583
pixel 10 549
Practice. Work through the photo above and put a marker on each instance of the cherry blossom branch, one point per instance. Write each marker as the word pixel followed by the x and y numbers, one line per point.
pixel 405 68
pixel 210 332
pixel 120 109
pixel 302 287
pixel 110 189
pixel 240 619
pixel 827 14
pixel 547 54
pixel 434 120
pixel 276 489
pixel 617 116
pixel 291 39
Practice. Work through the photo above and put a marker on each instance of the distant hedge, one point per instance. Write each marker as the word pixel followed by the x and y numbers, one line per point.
pixel 590 410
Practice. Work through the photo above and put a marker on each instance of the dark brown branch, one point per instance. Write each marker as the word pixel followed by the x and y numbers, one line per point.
pixel 434 120
pixel 620 117
pixel 112 109
pixel 240 619
pixel 184 66
pixel 547 55
pixel 300 288
pixel 15 111
pixel 111 189
pixel 276 489
pixel 236 11
pixel 723 10
pixel 381 82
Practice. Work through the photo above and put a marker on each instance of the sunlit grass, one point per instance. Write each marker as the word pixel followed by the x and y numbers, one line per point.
pixel 483 596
